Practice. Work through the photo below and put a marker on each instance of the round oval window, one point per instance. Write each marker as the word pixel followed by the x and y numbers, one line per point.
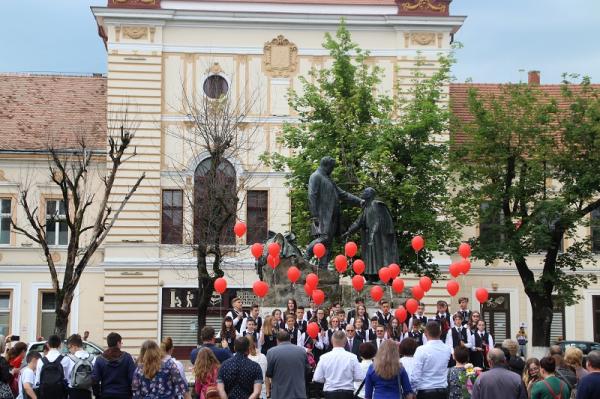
pixel 215 86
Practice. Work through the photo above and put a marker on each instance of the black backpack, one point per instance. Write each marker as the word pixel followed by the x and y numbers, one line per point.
pixel 52 379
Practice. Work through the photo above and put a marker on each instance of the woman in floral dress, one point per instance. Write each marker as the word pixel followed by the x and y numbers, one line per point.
pixel 457 375
pixel 156 378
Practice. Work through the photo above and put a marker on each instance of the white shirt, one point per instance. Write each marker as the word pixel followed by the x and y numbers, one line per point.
pixel 409 365
pixel 262 362
pixel 364 365
pixel 27 376
pixel 338 369
pixel 52 355
pixel 430 365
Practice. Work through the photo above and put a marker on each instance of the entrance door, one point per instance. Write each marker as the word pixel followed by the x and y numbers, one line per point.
pixel 496 313
pixel 596 315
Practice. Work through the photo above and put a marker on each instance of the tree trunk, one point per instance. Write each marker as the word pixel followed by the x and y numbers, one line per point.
pixel 205 290
pixel 62 321
pixel 541 308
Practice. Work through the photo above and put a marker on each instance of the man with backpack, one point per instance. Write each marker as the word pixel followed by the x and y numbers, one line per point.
pixel 52 371
pixel 79 373
pixel 113 370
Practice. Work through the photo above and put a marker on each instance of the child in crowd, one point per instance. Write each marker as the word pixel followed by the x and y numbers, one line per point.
pixel 27 378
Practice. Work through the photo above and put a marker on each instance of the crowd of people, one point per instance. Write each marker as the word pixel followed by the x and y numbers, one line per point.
pixel 352 355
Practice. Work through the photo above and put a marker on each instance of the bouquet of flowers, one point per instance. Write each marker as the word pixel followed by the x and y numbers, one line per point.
pixel 467 379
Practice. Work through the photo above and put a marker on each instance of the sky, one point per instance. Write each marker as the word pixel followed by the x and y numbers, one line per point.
pixel 501 40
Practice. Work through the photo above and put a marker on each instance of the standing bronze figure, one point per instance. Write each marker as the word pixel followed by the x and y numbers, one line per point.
pixel 377 235
pixel 324 200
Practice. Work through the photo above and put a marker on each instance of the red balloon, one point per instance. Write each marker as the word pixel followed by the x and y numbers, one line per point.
pixel 394 270
pixel 376 293
pixel 398 285
pixel 417 292
pixel 400 314
pixel 341 263
pixel 273 261
pixel 257 250
pixel 385 275
pixel 313 330
pixel 358 266
pixel 312 280
pixel 417 243
pixel 319 250
pixel 412 305
pixel 293 274
pixel 482 295
pixel 464 266
pixel 318 297
pixel 274 249
pixel 454 269
pixel 452 287
pixel 239 229
pixel 308 290
pixel 350 249
pixel 220 285
pixel 358 282
pixel 464 250
pixel 260 288
pixel 425 283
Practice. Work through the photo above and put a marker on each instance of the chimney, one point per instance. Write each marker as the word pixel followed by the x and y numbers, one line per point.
pixel 533 77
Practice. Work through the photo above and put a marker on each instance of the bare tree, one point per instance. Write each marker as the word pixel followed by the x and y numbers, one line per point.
pixel 218 134
pixel 72 172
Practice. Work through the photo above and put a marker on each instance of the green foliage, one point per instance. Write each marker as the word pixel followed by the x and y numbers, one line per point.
pixel 386 142
pixel 534 161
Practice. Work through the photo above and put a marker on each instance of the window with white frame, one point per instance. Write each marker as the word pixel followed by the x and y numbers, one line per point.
pixel 47 313
pixel 56 223
pixel 5 215
pixel 5 306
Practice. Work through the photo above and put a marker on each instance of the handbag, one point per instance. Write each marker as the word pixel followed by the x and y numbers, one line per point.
pixel 5 391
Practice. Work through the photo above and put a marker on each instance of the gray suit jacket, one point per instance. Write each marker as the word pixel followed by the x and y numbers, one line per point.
pixel 287 367
pixel 499 383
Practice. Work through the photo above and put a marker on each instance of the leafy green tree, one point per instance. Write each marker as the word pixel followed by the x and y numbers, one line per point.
pixel 528 168
pixel 386 142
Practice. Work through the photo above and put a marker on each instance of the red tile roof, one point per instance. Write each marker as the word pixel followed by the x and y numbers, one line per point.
pixel 38 111
pixel 459 99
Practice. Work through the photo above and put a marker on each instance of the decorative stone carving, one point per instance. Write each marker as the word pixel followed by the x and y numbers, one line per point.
pixel 2 176
pixel 134 3
pixel 280 58
pixel 423 7
pixel 422 38
pixel 55 257
pixel 136 32
pixel 0 257
pixel 440 37
pixel 117 33
pixel 215 69
pixel 152 33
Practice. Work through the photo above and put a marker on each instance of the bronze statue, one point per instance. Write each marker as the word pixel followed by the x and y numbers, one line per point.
pixel 324 200
pixel 377 235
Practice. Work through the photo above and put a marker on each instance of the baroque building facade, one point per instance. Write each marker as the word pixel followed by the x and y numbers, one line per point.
pixel 163 54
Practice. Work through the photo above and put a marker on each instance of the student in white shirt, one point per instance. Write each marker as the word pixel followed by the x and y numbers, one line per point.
pixel 27 378
pixel 338 369
pixel 54 343
pixel 429 375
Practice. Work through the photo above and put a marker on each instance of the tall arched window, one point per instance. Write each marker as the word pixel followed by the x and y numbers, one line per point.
pixel 215 201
